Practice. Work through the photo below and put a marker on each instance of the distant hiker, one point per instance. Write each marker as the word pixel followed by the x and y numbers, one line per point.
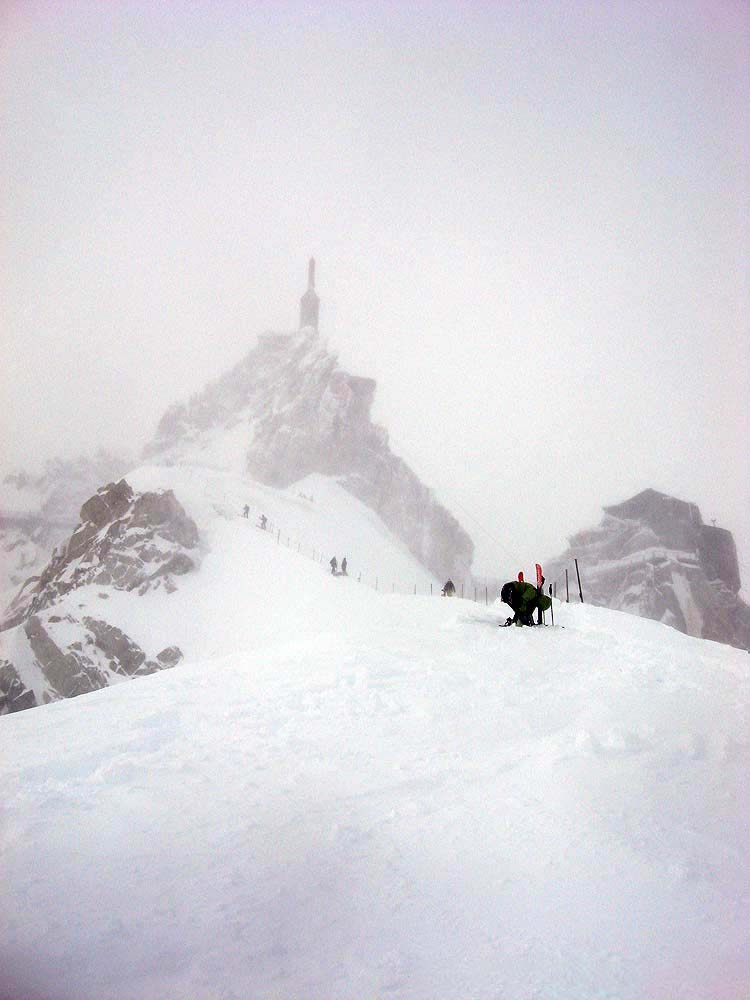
pixel 449 589
pixel 245 511
pixel 523 598
pixel 263 521
pixel 334 565
pixel 343 566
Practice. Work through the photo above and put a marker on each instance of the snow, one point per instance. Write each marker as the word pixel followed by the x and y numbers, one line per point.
pixel 351 794
pixel 691 612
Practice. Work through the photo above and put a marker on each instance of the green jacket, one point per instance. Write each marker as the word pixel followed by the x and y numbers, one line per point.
pixel 526 598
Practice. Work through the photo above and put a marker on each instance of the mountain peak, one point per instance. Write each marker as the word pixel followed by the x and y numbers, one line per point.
pixel 288 410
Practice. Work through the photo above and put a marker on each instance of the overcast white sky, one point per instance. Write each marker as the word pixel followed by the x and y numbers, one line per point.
pixel 530 221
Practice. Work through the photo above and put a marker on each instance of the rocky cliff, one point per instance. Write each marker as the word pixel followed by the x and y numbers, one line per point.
pixel 125 541
pixel 288 410
pixel 653 556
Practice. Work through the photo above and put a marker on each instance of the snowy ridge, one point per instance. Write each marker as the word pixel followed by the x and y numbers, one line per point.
pixel 287 411
pixel 342 793
pixel 73 630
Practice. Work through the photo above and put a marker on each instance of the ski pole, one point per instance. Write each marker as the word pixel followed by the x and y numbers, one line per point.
pixel 551 607
pixel 580 592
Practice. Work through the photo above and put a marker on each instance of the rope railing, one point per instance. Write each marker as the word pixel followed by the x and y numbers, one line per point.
pixel 380 582
pixel 468 589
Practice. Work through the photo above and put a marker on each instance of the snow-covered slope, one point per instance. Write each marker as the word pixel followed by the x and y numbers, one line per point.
pixel 342 793
pixel 92 616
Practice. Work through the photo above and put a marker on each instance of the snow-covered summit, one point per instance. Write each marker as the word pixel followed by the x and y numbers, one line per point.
pixel 288 410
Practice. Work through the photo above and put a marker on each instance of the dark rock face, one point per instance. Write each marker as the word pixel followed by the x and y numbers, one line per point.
pixel 14 695
pixel 653 556
pixel 126 540
pixel 299 413
pixel 57 667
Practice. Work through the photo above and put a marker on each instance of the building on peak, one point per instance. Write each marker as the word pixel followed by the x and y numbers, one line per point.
pixel 309 304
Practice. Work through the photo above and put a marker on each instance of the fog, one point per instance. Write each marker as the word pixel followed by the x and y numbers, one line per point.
pixel 530 222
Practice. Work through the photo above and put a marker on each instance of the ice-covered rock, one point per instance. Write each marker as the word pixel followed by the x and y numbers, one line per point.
pixel 653 556
pixel 288 410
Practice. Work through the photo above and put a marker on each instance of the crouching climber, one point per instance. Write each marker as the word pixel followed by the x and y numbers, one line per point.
pixel 523 598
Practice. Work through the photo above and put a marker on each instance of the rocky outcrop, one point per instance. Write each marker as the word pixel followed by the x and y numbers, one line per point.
pixel 288 410
pixel 653 556
pixel 62 656
pixel 127 540
pixel 39 511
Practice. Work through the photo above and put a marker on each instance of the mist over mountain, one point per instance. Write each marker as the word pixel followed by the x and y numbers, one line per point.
pixel 288 410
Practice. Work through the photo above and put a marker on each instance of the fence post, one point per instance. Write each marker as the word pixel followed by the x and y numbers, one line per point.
pixel 580 592
pixel 462 588
pixel 359 578
pixel 567 588
pixel 430 590
pixel 486 602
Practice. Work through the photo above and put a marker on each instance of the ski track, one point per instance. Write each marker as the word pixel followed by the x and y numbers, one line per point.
pixel 384 797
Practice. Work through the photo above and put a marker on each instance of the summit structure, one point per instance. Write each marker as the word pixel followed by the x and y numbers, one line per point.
pixel 309 304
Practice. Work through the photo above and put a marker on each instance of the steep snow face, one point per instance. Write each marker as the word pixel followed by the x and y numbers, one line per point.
pixel 288 411
pixel 653 556
pixel 345 793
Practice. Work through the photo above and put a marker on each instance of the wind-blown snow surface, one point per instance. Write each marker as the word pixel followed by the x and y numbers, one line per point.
pixel 364 795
